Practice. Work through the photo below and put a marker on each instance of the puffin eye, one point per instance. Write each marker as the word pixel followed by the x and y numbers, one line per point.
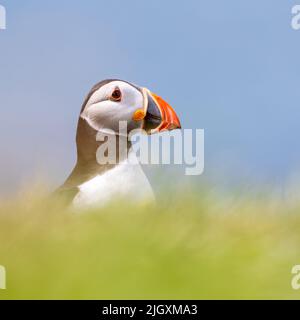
pixel 116 95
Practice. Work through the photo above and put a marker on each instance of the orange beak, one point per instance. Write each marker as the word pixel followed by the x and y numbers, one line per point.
pixel 170 120
pixel 158 114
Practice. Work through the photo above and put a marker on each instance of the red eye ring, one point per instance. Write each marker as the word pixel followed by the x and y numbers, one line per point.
pixel 116 95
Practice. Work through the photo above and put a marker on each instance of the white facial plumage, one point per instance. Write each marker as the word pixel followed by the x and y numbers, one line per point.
pixel 102 112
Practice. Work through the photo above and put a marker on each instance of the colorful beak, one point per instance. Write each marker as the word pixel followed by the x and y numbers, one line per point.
pixel 160 116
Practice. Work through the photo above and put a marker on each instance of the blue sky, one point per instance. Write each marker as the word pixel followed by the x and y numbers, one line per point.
pixel 229 67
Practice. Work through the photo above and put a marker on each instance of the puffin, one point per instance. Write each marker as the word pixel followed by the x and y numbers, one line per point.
pixel 94 181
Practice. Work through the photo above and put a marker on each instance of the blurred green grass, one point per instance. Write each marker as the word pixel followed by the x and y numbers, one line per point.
pixel 197 246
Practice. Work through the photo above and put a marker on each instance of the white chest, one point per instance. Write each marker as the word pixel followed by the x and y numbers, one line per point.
pixel 126 181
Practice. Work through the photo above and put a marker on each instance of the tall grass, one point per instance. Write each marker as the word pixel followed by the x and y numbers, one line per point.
pixel 189 247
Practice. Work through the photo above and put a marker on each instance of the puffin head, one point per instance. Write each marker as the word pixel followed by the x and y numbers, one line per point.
pixel 109 103
pixel 112 101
